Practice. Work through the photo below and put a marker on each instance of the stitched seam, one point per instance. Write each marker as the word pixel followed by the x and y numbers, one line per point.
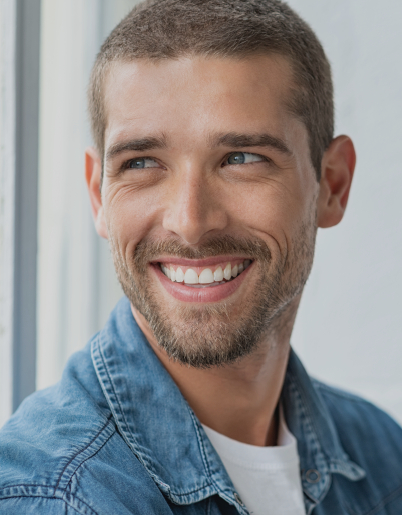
pixel 86 459
pixel 49 497
pixel 36 485
pixel 112 385
pixel 44 497
pixel 201 444
pixel 125 427
pixel 200 441
pixel 310 421
pixel 146 462
pixel 393 495
pixel 337 392
pixel 192 491
pixel 82 450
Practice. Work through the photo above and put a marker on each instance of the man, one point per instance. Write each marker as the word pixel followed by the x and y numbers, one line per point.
pixel 214 164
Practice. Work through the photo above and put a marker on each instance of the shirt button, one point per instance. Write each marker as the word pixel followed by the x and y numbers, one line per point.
pixel 237 498
pixel 313 476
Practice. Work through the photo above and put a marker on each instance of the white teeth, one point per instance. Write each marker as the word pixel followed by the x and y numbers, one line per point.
pixel 218 275
pixel 190 277
pixel 179 275
pixel 227 273
pixel 206 276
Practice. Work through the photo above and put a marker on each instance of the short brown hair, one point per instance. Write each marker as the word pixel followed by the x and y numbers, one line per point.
pixel 168 29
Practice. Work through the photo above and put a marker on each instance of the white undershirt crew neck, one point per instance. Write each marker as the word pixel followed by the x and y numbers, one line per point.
pixel 267 479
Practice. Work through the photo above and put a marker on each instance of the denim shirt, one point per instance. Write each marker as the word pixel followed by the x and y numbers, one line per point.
pixel 116 437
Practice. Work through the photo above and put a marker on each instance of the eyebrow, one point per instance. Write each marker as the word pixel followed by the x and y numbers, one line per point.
pixel 236 140
pixel 230 139
pixel 139 145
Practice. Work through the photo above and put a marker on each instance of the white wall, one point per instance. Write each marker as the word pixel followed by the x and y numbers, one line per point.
pixel 7 192
pixel 77 287
pixel 348 329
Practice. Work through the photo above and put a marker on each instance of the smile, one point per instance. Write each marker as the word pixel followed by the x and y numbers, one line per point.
pixel 199 277
pixel 202 281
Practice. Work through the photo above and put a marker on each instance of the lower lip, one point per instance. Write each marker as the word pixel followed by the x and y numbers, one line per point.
pixel 202 295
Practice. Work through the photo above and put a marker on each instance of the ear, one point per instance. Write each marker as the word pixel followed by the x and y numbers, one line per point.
pixel 93 173
pixel 337 168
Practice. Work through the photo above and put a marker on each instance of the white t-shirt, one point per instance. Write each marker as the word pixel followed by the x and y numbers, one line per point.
pixel 267 479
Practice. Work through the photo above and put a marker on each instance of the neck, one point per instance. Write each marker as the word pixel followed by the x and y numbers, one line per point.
pixel 237 400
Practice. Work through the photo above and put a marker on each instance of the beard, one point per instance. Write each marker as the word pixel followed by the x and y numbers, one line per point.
pixel 209 335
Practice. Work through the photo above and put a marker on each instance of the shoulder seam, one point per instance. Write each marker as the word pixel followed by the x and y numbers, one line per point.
pixel 84 454
pixel 14 492
pixel 337 392
pixel 89 457
pixel 391 497
pixel 381 505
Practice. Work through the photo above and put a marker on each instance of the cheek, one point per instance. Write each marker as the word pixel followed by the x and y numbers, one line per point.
pixel 267 210
pixel 130 215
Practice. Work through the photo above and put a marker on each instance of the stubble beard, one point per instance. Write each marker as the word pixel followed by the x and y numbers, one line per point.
pixel 209 335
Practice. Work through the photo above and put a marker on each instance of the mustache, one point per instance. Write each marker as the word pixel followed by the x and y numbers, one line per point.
pixel 149 250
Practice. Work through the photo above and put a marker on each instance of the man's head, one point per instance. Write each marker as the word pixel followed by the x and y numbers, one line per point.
pixel 170 29
pixel 212 122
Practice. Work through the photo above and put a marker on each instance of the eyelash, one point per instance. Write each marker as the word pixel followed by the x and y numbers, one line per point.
pixel 263 158
pixel 125 164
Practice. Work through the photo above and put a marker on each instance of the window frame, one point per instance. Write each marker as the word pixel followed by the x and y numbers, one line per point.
pixel 19 62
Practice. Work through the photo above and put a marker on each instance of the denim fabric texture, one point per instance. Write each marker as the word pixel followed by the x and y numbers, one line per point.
pixel 116 437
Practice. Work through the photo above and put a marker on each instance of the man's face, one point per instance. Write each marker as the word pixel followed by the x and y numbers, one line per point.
pixel 207 175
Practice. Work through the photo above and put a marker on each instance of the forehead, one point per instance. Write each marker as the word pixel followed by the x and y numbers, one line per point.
pixel 194 97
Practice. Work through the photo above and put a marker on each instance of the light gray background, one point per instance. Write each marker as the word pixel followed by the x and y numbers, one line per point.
pixel 348 330
pixel 348 327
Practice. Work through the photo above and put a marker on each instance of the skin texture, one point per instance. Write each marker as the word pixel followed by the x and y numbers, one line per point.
pixel 191 198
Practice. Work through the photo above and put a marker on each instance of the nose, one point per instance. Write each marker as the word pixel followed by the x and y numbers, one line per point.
pixel 195 207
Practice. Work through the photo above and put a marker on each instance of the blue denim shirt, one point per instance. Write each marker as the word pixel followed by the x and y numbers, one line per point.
pixel 115 436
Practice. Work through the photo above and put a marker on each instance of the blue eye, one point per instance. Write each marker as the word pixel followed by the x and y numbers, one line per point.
pixel 241 158
pixel 142 162
pixel 137 163
pixel 238 158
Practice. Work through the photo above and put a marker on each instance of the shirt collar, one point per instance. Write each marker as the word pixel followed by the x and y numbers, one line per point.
pixel 162 431
pixel 320 451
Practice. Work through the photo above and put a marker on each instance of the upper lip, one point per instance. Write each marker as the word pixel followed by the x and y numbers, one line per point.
pixel 211 261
